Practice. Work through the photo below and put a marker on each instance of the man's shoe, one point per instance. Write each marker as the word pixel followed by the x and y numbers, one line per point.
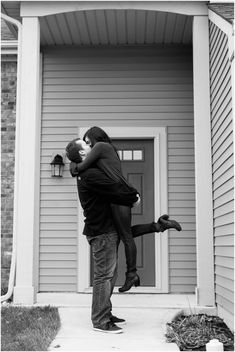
pixel 116 320
pixel 109 328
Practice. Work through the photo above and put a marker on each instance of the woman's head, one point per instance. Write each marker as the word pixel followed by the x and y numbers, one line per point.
pixel 96 134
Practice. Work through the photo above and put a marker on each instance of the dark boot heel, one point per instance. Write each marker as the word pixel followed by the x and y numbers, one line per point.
pixel 137 283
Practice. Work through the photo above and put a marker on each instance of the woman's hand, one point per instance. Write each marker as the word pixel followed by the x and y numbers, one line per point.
pixel 73 169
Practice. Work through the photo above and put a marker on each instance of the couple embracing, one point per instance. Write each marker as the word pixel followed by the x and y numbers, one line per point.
pixel 107 198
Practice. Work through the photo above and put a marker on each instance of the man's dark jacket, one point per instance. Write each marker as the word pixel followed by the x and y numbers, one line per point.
pixel 96 191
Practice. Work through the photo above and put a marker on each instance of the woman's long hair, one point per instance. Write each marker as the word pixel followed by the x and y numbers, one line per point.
pixel 96 134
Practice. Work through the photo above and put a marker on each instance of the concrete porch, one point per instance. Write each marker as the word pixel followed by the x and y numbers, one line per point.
pixel 146 318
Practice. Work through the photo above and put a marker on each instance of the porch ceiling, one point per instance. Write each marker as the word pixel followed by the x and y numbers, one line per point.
pixel 116 27
pixel 110 27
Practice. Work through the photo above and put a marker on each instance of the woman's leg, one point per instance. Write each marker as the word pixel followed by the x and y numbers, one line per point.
pixel 163 223
pixel 122 221
pixel 143 229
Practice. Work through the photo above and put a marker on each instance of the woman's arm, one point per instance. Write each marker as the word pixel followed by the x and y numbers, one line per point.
pixel 110 190
pixel 96 153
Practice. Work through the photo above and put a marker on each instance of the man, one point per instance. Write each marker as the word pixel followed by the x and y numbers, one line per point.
pixel 101 234
pixel 96 192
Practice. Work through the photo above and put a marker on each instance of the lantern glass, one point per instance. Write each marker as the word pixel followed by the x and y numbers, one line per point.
pixel 57 166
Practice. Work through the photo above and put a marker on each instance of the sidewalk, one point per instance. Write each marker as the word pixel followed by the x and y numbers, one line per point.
pixel 144 331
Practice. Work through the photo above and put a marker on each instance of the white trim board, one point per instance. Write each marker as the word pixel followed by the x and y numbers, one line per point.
pixel 27 160
pixel 203 162
pixel 46 8
pixel 158 134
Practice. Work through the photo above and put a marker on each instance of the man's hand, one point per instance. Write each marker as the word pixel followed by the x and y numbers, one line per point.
pixel 138 201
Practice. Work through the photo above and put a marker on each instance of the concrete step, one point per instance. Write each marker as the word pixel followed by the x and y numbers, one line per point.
pixel 185 302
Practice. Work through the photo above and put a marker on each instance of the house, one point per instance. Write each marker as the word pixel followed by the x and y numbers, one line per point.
pixel 158 77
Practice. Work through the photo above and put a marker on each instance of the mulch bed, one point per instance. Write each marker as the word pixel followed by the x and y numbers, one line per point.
pixel 191 333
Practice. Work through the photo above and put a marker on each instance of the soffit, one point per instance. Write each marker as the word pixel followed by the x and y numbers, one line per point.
pixel 116 27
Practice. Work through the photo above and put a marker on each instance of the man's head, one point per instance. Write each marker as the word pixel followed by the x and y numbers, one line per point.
pixel 77 150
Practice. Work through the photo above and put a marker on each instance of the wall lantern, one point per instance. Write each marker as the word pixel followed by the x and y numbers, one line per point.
pixel 57 166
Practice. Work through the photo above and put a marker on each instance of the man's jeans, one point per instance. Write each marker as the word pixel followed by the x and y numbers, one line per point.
pixel 104 251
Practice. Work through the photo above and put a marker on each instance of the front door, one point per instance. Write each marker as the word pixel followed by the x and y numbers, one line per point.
pixel 138 168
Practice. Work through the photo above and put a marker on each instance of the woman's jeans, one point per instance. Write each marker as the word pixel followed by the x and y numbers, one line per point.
pixel 104 251
pixel 122 221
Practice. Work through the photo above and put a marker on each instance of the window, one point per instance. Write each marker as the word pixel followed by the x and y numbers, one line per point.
pixel 131 155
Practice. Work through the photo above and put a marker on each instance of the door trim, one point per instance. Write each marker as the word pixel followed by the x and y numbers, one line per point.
pixel 159 136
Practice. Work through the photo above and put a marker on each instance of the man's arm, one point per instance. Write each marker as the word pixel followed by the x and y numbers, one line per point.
pixel 73 169
pixel 115 192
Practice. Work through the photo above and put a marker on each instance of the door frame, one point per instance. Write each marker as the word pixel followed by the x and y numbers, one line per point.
pixel 159 137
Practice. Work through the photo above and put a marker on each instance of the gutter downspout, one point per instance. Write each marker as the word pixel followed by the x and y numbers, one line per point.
pixel 14 242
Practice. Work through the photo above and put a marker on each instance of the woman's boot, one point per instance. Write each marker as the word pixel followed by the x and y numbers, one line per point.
pixel 130 281
pixel 166 224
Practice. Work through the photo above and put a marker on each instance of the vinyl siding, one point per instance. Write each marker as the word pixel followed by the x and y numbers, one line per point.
pixel 115 87
pixel 223 171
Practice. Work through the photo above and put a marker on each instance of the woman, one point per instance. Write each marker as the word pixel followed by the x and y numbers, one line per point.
pixel 105 156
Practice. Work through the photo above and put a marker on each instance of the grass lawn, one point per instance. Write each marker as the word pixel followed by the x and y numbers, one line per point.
pixel 28 329
pixel 193 332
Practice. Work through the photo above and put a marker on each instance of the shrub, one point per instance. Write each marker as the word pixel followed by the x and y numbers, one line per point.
pixel 191 333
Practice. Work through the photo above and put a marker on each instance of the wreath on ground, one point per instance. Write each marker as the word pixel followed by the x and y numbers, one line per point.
pixel 193 332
